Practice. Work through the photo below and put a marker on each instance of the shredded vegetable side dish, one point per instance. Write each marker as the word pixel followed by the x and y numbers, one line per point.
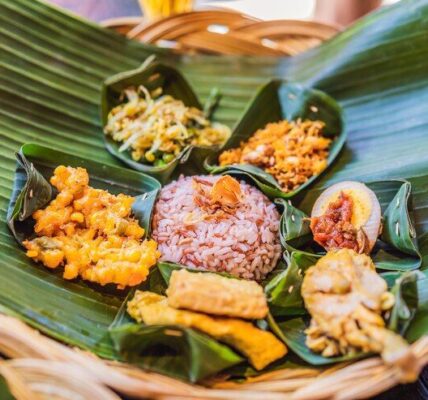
pixel 156 127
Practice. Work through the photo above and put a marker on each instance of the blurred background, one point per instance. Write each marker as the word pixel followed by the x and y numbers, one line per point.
pixel 341 12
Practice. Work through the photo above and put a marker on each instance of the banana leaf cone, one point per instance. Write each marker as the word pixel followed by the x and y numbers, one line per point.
pixel 154 75
pixel 276 101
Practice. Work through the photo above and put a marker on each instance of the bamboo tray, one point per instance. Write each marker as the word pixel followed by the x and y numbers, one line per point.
pixel 41 368
pixel 226 32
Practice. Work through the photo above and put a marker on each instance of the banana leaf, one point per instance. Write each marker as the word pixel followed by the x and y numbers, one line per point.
pixel 411 295
pixel 153 76
pixel 285 101
pixel 180 352
pixel 173 350
pixel 397 248
pixel 95 307
pixel 52 66
pixel 418 324
pixel 241 371
pixel 32 190
pixel 283 290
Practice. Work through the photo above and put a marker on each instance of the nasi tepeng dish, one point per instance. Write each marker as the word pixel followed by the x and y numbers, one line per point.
pixel 91 233
pixel 291 151
pixel 347 301
pixel 156 128
pixel 231 229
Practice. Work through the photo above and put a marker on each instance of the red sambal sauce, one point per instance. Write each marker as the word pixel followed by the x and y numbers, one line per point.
pixel 333 229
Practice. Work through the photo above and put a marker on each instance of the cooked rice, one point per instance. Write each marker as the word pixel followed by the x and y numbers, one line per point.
pixel 243 242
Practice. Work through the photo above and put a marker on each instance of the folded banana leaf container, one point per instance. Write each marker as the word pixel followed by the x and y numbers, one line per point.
pixel 59 78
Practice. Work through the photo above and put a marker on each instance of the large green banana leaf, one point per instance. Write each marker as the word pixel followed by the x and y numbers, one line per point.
pixel 51 69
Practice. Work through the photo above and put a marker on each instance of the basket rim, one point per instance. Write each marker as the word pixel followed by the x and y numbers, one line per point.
pixel 38 363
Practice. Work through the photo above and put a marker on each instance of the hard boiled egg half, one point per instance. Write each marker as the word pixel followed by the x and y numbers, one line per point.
pixel 365 211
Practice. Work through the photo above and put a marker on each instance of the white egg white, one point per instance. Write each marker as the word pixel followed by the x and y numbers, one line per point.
pixel 366 213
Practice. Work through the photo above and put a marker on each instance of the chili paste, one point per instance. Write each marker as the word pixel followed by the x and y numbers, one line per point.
pixel 334 230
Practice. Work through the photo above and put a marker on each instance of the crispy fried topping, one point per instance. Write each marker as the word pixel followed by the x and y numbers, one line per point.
pixel 226 192
pixel 215 199
pixel 291 152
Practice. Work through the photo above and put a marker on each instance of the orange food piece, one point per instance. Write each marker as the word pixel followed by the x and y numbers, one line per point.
pixel 91 233
pixel 292 152
pixel 226 191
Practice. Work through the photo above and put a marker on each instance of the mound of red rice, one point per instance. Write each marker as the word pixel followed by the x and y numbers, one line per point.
pixel 244 243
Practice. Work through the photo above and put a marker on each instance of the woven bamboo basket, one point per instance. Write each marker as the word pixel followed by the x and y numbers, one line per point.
pixel 226 32
pixel 39 368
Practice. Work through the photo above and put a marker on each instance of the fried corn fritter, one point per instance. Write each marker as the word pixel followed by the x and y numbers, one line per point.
pixel 216 294
pixel 260 347
pixel 91 233
pixel 346 298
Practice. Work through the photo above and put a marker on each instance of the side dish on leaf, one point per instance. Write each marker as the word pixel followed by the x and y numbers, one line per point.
pixel 347 215
pixel 348 301
pixel 290 151
pixel 259 346
pixel 216 295
pixel 156 128
pixel 91 233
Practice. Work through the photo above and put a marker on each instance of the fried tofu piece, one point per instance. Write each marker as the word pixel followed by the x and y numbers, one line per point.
pixel 260 347
pixel 215 294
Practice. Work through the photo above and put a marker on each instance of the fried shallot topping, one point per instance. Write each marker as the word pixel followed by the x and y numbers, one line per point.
pixel 218 198
pixel 334 230
pixel 291 151
pixel 226 192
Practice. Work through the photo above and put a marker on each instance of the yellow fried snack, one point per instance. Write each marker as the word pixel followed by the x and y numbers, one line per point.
pixel 215 294
pixel 260 347
pixel 346 298
pixel 91 232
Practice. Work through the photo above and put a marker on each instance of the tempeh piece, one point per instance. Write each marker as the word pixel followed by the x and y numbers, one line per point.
pixel 260 347
pixel 216 294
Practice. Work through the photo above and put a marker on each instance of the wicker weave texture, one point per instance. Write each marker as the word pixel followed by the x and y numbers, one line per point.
pixel 226 32
pixel 40 368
